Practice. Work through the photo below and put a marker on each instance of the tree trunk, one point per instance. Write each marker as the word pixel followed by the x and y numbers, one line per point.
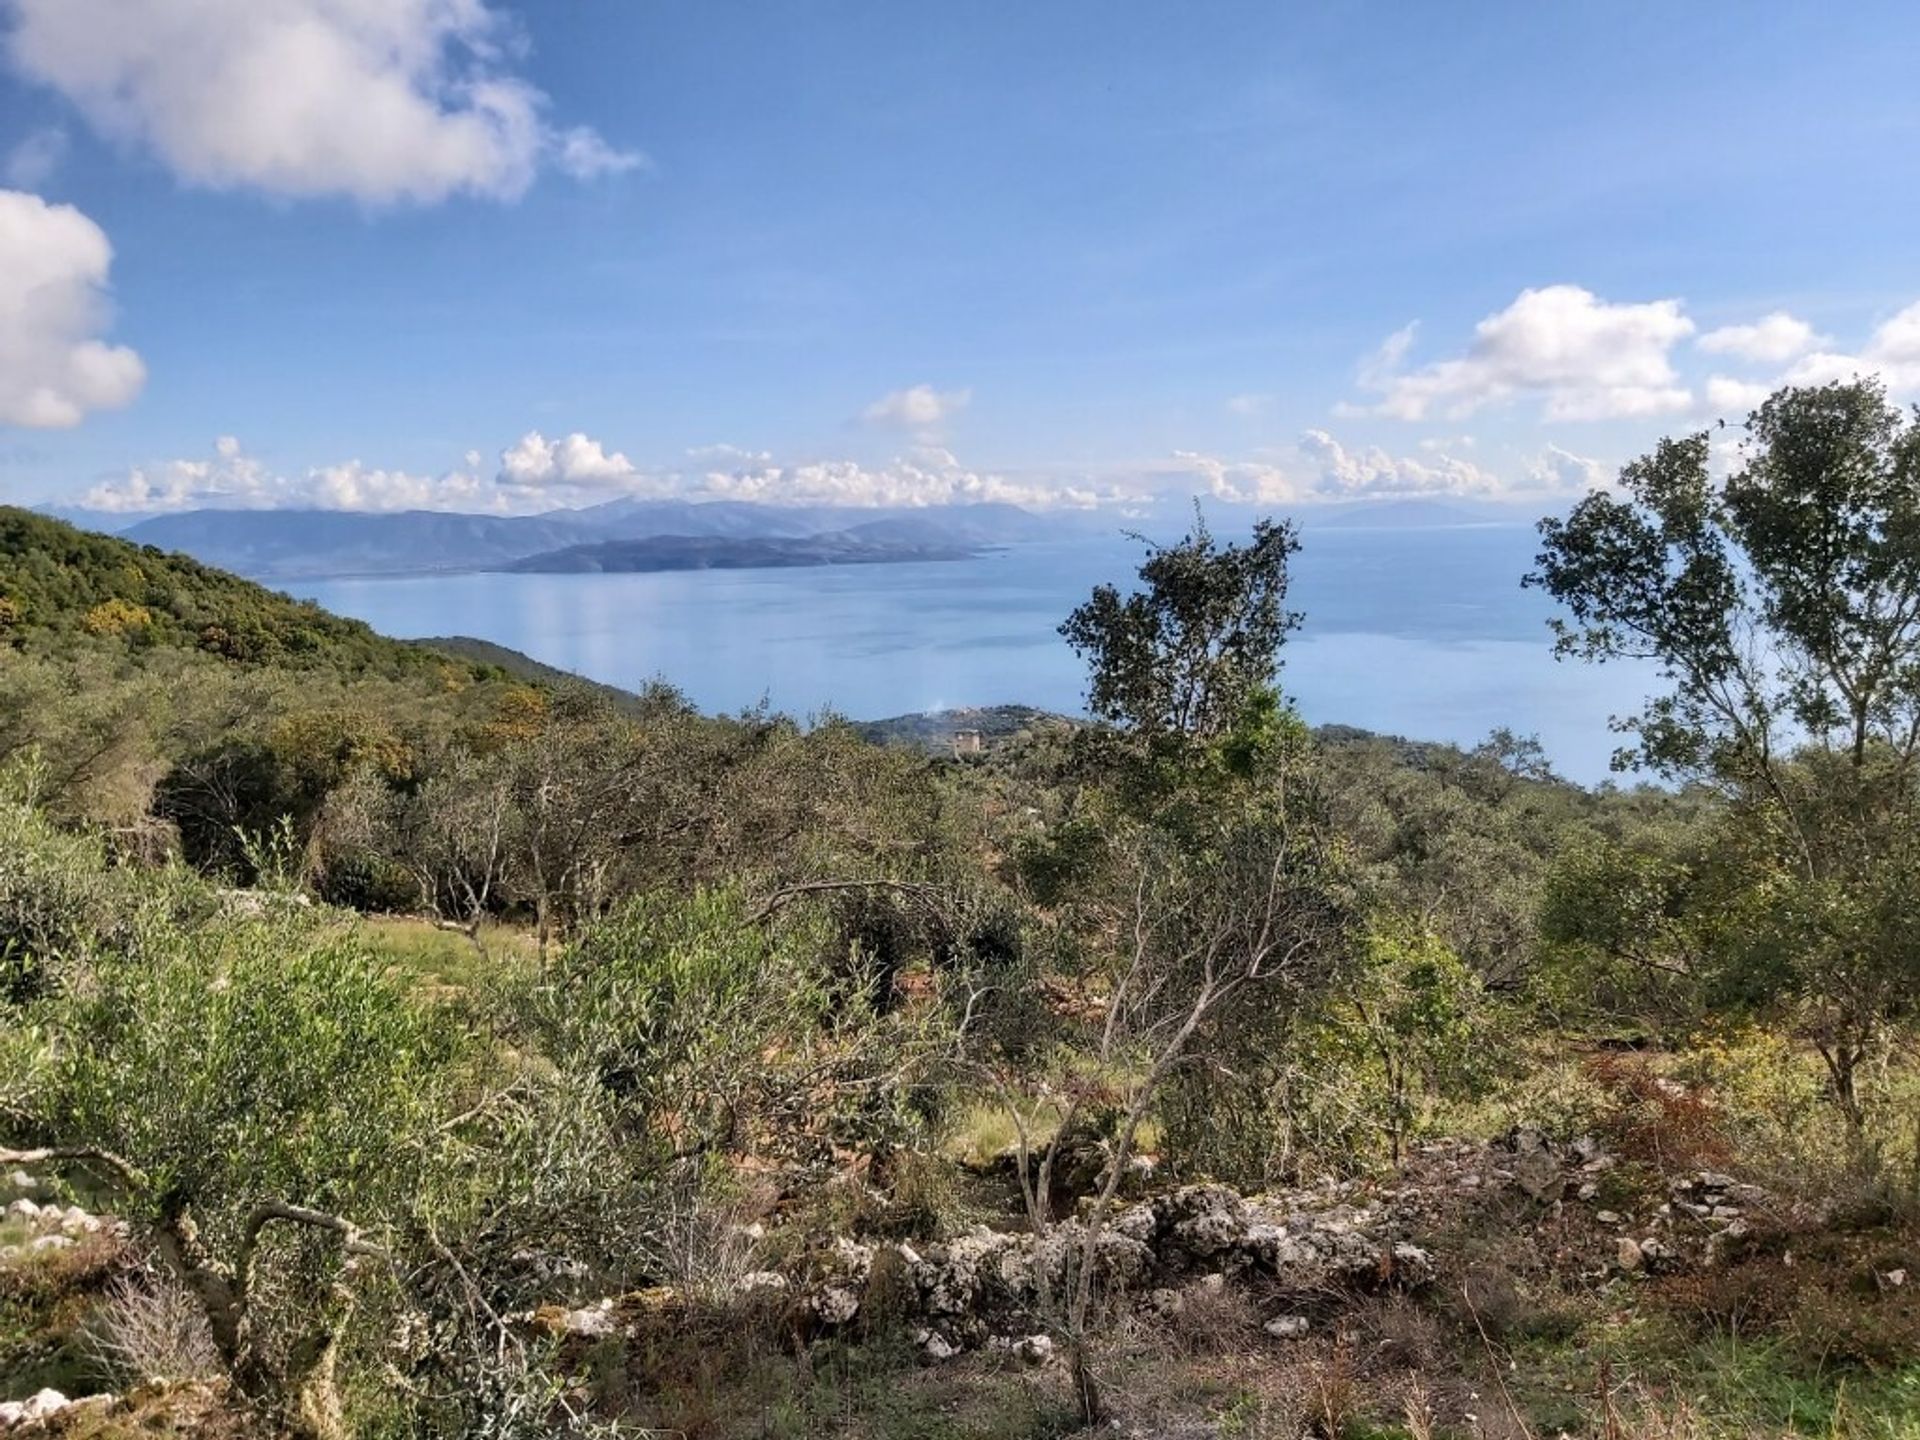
pixel 1086 1388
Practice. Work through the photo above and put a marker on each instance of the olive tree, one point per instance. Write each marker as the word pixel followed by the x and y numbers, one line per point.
pixel 256 1092
pixel 1781 608
pixel 1184 655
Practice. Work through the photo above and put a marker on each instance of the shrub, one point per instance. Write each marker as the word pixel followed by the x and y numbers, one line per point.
pixel 149 1327
pixel 1658 1121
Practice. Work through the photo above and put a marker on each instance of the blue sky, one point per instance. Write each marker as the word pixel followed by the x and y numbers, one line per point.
pixel 501 254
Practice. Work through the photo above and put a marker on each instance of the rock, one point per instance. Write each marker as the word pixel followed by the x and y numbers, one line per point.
pixel 1206 1219
pixel 1892 1279
pixel 1287 1327
pixel 1536 1169
pixel 955 1281
pixel 1609 1217
pixel 763 1282
pixel 836 1305
pixel 1628 1254
pixel 42 1406
pixel 935 1345
pixel 1655 1252
pixel 1411 1264
pixel 593 1321
pixel 1589 1191
pixel 21 1180
pixel 852 1259
pixel 23 1209
pixel 1034 1350
pixel 42 1243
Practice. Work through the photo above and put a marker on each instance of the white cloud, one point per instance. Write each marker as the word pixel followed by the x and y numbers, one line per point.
pixel 231 479
pixel 31 163
pixel 933 478
pixel 54 368
pixel 1585 359
pixel 1892 352
pixel 571 460
pixel 378 100
pixel 583 155
pixel 920 408
pixel 1378 369
pixel 1340 472
pixel 1897 342
pixel 1728 396
pixel 1555 469
pixel 1326 469
pixel 724 453
pixel 1241 482
pixel 1770 339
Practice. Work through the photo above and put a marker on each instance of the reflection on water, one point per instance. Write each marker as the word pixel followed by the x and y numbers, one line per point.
pixel 1416 632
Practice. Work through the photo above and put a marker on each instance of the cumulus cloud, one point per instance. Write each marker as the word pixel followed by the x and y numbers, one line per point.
pixel 1583 357
pixel 1241 482
pixel 933 478
pixel 1769 340
pixel 231 479
pixel 538 474
pixel 379 100
pixel 54 367
pixel 572 460
pixel 1729 396
pixel 1322 468
pixel 919 408
pixel 31 163
pixel 1558 470
pixel 1340 472
pixel 1892 352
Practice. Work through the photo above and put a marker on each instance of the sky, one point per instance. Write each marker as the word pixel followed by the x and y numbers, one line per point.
pixel 503 255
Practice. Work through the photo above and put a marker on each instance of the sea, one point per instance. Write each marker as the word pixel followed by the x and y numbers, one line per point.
pixel 1424 632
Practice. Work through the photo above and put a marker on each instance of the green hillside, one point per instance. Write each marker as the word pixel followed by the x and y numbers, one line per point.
pixel 59 584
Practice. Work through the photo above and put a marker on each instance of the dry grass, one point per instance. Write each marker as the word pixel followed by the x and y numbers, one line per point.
pixel 148 1328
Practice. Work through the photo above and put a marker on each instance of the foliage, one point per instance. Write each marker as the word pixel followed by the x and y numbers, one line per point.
pixel 1783 607
pixel 1184 655
pixel 62 581
pixel 1408 1025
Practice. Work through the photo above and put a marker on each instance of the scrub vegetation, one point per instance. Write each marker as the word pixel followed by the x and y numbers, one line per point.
pixel 395 1045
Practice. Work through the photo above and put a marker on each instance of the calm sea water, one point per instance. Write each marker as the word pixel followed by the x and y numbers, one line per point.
pixel 1425 633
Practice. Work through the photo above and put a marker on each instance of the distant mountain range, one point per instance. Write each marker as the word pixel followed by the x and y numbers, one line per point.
pixel 720 552
pixel 283 545
pixel 1416 513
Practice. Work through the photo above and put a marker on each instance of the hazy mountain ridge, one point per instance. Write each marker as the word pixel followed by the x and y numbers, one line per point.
pixel 719 552
pixel 308 544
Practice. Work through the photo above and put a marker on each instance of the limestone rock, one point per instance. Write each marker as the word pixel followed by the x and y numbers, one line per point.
pixel 836 1305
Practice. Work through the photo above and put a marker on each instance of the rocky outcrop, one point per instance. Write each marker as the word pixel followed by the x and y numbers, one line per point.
pixel 1298 1249
pixel 983 1285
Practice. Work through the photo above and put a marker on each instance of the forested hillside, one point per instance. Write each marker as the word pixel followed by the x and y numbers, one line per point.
pixel 399 1047
pixel 60 586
